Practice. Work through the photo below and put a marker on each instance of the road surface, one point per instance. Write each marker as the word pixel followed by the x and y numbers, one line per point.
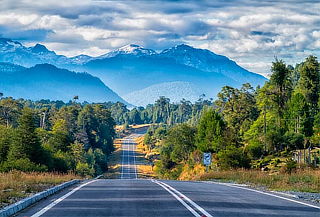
pixel 129 196
pixel 128 158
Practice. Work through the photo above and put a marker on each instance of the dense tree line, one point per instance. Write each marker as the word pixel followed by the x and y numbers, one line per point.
pixel 54 136
pixel 246 124
pixel 162 111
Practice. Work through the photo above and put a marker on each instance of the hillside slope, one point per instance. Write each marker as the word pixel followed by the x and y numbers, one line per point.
pixel 46 81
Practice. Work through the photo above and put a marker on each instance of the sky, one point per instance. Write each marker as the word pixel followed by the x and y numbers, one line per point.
pixel 250 32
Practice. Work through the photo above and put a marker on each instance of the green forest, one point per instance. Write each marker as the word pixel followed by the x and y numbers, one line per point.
pixel 242 128
pixel 74 137
pixel 43 137
pixel 249 128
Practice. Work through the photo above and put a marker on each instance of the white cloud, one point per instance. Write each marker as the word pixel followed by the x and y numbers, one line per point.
pixel 249 32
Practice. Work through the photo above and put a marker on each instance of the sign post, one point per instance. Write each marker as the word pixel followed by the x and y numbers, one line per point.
pixel 207 159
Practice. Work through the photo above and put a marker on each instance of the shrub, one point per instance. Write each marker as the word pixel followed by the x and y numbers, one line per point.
pixel 255 150
pixel 290 166
pixel 83 169
pixel 22 164
pixel 233 157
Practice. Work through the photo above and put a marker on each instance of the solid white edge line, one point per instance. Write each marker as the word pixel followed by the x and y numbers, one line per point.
pixel 45 209
pixel 273 195
pixel 178 198
pixel 188 199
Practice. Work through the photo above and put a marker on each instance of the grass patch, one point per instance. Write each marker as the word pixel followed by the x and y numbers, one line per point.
pixel 114 161
pixel 306 180
pixel 145 167
pixel 16 185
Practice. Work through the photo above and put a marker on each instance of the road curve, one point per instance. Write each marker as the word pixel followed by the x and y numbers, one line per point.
pixel 137 197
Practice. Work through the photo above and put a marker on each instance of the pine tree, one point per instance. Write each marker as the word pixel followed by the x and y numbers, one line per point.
pixel 26 144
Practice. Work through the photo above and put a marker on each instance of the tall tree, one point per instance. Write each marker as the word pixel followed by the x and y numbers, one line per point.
pixel 26 144
pixel 239 109
pixel 309 82
pixel 9 111
pixel 211 129
pixel 280 85
pixel 182 138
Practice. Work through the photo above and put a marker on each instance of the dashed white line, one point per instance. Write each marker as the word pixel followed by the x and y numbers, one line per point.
pixel 129 168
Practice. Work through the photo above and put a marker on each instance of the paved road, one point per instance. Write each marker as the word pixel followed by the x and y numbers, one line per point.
pixel 128 158
pixel 129 196
pixel 137 197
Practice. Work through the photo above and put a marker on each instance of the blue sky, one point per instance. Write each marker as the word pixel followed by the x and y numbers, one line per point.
pixel 251 32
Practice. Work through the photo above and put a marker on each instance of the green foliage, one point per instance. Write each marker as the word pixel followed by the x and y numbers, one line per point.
pixel 233 157
pixel 22 164
pixel 239 109
pixel 161 112
pixel 274 120
pixel 254 150
pixel 5 141
pixel 26 144
pixel 154 135
pixel 83 169
pixel 54 136
pixel 9 111
pixel 182 139
pixel 309 82
pixel 290 166
pixel 210 133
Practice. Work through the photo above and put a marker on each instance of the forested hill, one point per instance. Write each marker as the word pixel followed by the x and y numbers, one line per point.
pixel 46 81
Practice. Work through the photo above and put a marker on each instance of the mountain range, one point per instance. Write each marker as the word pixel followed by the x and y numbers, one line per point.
pixel 140 75
pixel 45 81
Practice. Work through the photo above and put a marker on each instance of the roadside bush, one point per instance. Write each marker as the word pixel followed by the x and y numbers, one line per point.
pixel 22 164
pixel 233 157
pixel 290 166
pixel 255 150
pixel 83 169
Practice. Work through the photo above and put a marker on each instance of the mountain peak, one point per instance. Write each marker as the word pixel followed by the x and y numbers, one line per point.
pixel 7 43
pixel 179 46
pixel 38 48
pixel 135 49
pixel 130 49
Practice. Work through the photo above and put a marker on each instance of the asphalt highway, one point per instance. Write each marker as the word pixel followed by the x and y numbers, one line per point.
pixel 130 196
pixel 128 158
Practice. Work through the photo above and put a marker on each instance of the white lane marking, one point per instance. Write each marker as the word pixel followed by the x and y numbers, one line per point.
pixel 122 161
pixel 134 160
pixel 129 168
pixel 261 192
pixel 188 199
pixel 178 198
pixel 45 209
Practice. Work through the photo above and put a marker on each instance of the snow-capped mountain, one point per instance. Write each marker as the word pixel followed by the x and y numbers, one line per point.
pixel 206 60
pixel 80 59
pixel 130 49
pixel 14 52
pixel 132 68
pixel 126 73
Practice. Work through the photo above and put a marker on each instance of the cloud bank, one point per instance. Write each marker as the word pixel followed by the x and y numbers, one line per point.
pixel 251 32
